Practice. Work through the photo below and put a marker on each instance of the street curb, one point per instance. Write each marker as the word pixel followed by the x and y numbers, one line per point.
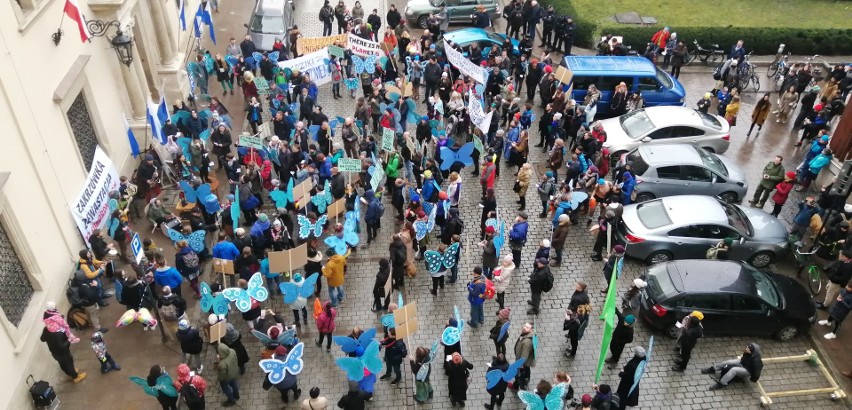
pixel 832 367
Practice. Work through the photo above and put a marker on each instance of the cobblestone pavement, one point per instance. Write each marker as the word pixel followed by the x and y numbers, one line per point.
pixel 660 388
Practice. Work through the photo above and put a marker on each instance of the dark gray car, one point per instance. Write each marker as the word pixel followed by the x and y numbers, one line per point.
pixel 683 169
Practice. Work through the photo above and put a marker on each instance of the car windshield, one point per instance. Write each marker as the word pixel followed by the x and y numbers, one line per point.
pixel 636 123
pixel 495 37
pixel 711 161
pixel 736 218
pixel 653 214
pixel 436 3
pixel 709 120
pixel 660 282
pixel 637 162
pixel 268 24
pixel 664 79
pixel 764 287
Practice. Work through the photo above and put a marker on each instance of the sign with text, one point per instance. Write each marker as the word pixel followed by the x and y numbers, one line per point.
pixel 477 115
pixel 90 208
pixel 387 139
pixel 305 45
pixel 336 51
pixel 464 65
pixel 251 141
pixel 349 165
pixel 378 175
pixel 223 266
pixel 364 47
pixel 312 64
pixel 262 85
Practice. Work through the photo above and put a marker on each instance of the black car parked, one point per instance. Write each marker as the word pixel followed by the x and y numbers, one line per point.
pixel 735 298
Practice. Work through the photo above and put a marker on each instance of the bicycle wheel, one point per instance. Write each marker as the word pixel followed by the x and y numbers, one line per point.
pixel 814 280
pixel 771 70
pixel 689 57
pixel 755 82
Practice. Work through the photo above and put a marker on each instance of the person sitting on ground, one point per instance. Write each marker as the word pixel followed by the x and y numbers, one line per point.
pixel 749 365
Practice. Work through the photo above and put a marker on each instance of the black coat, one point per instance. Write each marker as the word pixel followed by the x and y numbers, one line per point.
pixel 381 279
pixel 132 294
pixel 627 375
pixel 57 342
pixel 538 278
pixel 190 341
pixel 622 334
pixel 457 379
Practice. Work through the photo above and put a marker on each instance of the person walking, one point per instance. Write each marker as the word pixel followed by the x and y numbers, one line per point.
pixel 58 337
pixel 334 271
pixel 315 402
pixel 839 311
pixel 749 366
pixel 541 280
pixel 629 395
pixel 782 192
pixel 494 334
pixel 518 237
pixel 621 335
pixel 839 274
pixel 191 345
pixel 326 325
pixel 476 297
pixel 395 351
pixel 227 370
pixel 498 392
pixel 524 350
pixel 688 340
pixel 758 116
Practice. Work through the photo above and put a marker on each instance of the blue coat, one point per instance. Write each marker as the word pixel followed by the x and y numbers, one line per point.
pixel 519 232
pixel 475 293
pixel 168 277
pixel 817 164
pixel 803 218
pixel 373 207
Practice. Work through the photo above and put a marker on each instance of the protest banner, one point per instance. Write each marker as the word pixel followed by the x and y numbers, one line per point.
pixel 364 47
pixel 90 208
pixel 251 141
pixel 349 165
pixel 464 65
pixel 307 45
pixel 387 139
pixel 312 64
pixel 477 115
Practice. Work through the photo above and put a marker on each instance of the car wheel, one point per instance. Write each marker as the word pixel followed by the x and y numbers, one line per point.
pixel 423 22
pixel 673 332
pixel 658 257
pixel 761 259
pixel 644 197
pixel 786 333
pixel 728 197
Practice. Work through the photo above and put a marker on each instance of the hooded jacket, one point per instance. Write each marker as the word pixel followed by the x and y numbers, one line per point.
pixel 190 341
pixel 503 277
pixel 752 362
pixel 227 368
pixel 560 234
pixel 373 213
pixel 325 321
pixel 168 276
pixel 333 270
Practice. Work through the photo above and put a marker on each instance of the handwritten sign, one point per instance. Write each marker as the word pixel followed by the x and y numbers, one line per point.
pixel 464 65
pixel 378 175
pixel 305 45
pixel 387 139
pixel 349 165
pixel 477 115
pixel 336 51
pixel 251 141
pixel 313 64
pixel 262 85
pixel 364 47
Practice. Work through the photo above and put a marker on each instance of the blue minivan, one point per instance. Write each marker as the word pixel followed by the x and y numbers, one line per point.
pixel 606 72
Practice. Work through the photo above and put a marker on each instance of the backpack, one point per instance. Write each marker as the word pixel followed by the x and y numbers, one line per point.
pixel 169 313
pixel 78 319
pixel 548 283
pixel 489 290
pixel 41 392
pixel 191 260
pixel 73 293
pixel 717 73
pixel 381 208
pixel 190 394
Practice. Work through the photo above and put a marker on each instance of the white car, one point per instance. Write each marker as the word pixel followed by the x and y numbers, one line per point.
pixel 666 125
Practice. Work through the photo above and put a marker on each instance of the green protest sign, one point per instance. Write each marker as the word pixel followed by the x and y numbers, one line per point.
pixel 376 180
pixel 251 141
pixel 387 139
pixel 349 165
pixel 262 85
pixel 336 51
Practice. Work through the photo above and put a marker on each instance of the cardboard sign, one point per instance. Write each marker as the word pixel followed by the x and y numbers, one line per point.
pixel 387 139
pixel 349 165
pixel 217 331
pixel 223 266
pixel 289 260
pixel 405 320
pixel 262 85
pixel 336 51
pixel 305 45
pixel 251 141
pixel 302 190
pixel 337 207
pixel 364 47
pixel 376 180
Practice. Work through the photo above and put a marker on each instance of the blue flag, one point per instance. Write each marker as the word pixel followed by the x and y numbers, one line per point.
pixel 182 15
pixel 203 16
pixel 134 145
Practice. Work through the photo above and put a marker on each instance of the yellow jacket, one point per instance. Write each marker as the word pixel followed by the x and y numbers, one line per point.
pixel 333 270
pixel 92 271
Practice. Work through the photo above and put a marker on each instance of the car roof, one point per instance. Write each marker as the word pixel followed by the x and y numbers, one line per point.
pixel 711 275
pixel 467 35
pixel 693 209
pixel 609 65
pixel 270 6
pixel 674 115
pixel 662 154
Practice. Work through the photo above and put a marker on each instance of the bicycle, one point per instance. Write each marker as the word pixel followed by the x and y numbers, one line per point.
pixel 779 64
pixel 805 259
pixel 746 74
pixel 707 56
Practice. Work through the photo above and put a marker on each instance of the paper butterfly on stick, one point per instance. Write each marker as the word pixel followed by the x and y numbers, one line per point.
pixel 242 297
pixel 193 194
pixel 276 369
pixel 292 292
pixel 323 198
pixel 423 373
pixel 553 400
pixel 463 155
pixel 350 345
pixel 282 197
pixel 365 64
pixel 355 214
pixel 422 228
pixel 504 330
pixel 195 239
pixel 436 262
pixel 388 322
pixel 306 228
pixel 218 304
pixel 494 376
pixel 351 83
pixel 354 367
pixel 350 237
pixel 164 384
pixel 285 338
pixel 642 367
pixel 452 335
pixel 142 316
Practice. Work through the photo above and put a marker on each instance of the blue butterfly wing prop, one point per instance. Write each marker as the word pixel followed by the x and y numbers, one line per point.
pixel 500 238
pixel 320 202
pixel 554 398
pixel 351 83
pixel 320 223
pixel 235 214
pixel 370 64
pixel 258 57
pixel 388 322
pixel 577 198
pixel 290 291
pixel 240 298
pixel 184 143
pixel 196 240
pixel 450 255
pixel 450 335
pixel 218 304
pixel 434 260
pixel 332 125
pixel 459 320
pixel 188 191
pixel 346 343
pixel 463 155
pixel 282 198
pixel 353 367
pixel 313 130
pixel 504 330
pixel 288 337
pixel 275 369
pixel 427 207
pixel 532 400
pixel 349 235
pixel 273 56
pixel 208 63
pixel 535 344
pixel 492 222
pixel 256 289
pixel 211 203
pixel 493 377
pixel 340 120
pixel 393 96
pixel 164 384
pixel 263 337
pixel 371 359
pixel 176 236
pixel 294 363
pixel 367 337
pixel 412 111
pixel 308 286
pixel 642 367
pixel 305 226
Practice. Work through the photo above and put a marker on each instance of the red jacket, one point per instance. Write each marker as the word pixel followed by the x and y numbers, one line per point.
pixel 325 321
pixel 782 190
pixel 487 177
pixel 660 38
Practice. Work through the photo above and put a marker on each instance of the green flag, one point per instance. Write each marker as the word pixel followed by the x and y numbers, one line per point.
pixel 477 143
pixel 608 316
